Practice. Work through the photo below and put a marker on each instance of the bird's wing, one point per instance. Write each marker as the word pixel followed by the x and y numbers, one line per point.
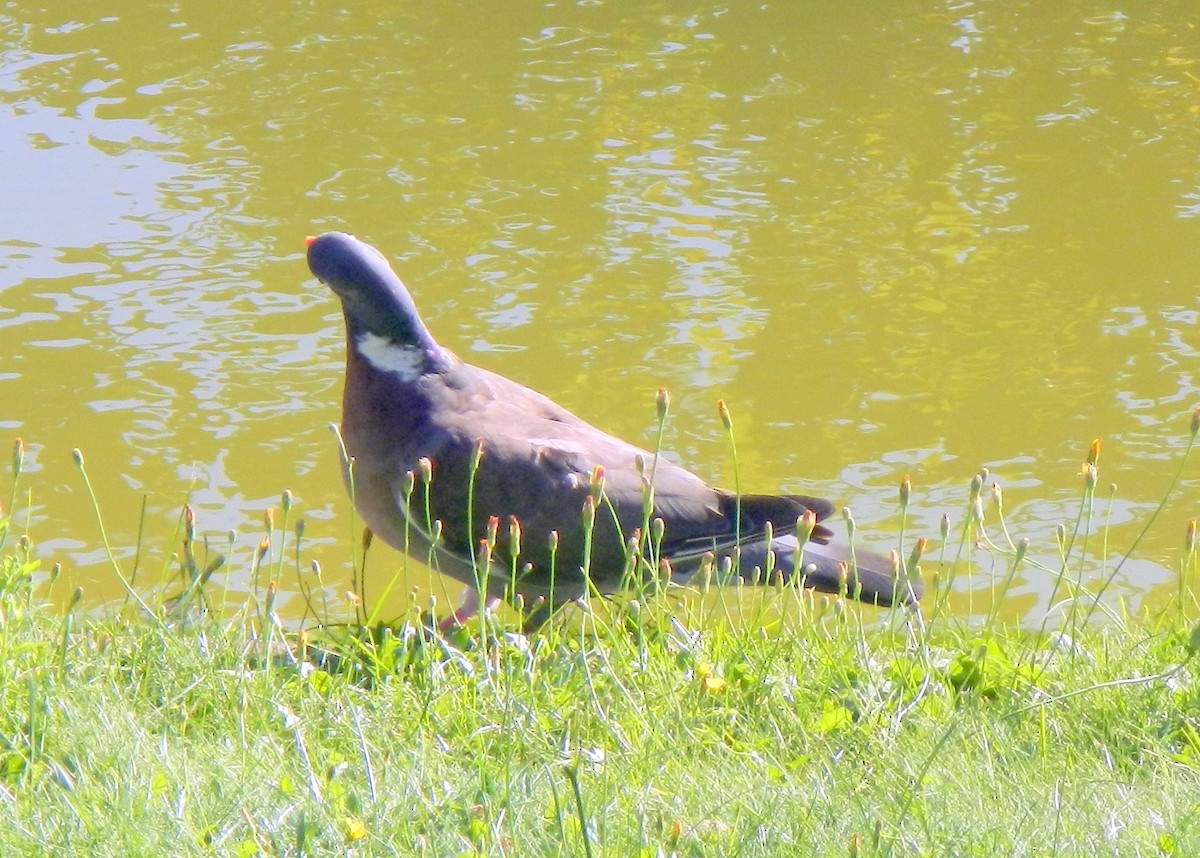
pixel 536 465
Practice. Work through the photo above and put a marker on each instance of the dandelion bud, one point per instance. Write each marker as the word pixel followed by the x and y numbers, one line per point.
pixel 589 512
pixel 1094 452
pixel 189 522
pixel 1022 549
pixel 1060 536
pixel 514 536
pixel 726 417
pixel 552 541
pixel 286 501
pixel 436 533
pixel 805 525
pixel 18 459
pixel 944 525
pixel 596 481
pixel 917 552
pixel 476 454
pixel 410 482
pixel 269 519
pixel 76 598
pixel 849 519
pixel 1189 540
pixel 664 570
pixel 768 533
pixel 493 527
pixel 639 462
pixel 484 554
pixel 77 455
pixel 997 497
pixel 425 469
pixel 662 403
pixel 56 570
pixel 976 486
pixel 300 528
pixel 367 537
pixel 315 567
pixel 657 528
pixel 1196 421
pixel 264 545
pixel 905 491
pixel 1089 475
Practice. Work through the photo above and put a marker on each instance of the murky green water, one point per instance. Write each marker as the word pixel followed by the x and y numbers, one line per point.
pixel 907 238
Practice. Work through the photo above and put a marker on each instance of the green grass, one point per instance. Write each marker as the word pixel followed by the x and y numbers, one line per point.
pixel 797 725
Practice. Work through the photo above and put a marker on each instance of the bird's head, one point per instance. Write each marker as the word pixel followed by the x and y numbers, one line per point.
pixel 373 298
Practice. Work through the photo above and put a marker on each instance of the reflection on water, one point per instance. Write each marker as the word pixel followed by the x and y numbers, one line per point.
pixel 923 241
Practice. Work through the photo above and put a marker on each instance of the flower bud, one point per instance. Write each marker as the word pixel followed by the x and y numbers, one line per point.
pixel 726 417
pixel 662 403
pixel 514 536
pixel 657 528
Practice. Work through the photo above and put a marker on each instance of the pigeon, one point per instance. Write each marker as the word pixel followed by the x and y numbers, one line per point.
pixel 519 499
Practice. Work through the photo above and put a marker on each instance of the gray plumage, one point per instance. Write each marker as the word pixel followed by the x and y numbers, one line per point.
pixel 407 398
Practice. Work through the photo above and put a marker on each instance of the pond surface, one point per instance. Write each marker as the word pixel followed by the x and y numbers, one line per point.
pixel 912 238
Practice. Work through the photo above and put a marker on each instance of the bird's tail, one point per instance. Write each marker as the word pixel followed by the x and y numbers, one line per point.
pixel 830 568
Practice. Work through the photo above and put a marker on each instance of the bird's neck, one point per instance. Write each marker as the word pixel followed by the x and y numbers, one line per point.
pixel 400 359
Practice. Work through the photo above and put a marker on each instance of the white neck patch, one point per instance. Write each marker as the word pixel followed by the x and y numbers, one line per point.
pixel 404 362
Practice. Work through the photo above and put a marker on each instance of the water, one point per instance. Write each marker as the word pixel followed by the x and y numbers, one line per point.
pixel 914 240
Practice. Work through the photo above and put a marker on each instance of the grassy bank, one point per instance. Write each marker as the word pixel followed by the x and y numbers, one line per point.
pixel 656 727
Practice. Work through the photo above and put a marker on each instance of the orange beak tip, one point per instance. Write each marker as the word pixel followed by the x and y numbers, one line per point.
pixel 309 239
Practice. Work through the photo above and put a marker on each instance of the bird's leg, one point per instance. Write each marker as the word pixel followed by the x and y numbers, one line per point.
pixel 468 607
